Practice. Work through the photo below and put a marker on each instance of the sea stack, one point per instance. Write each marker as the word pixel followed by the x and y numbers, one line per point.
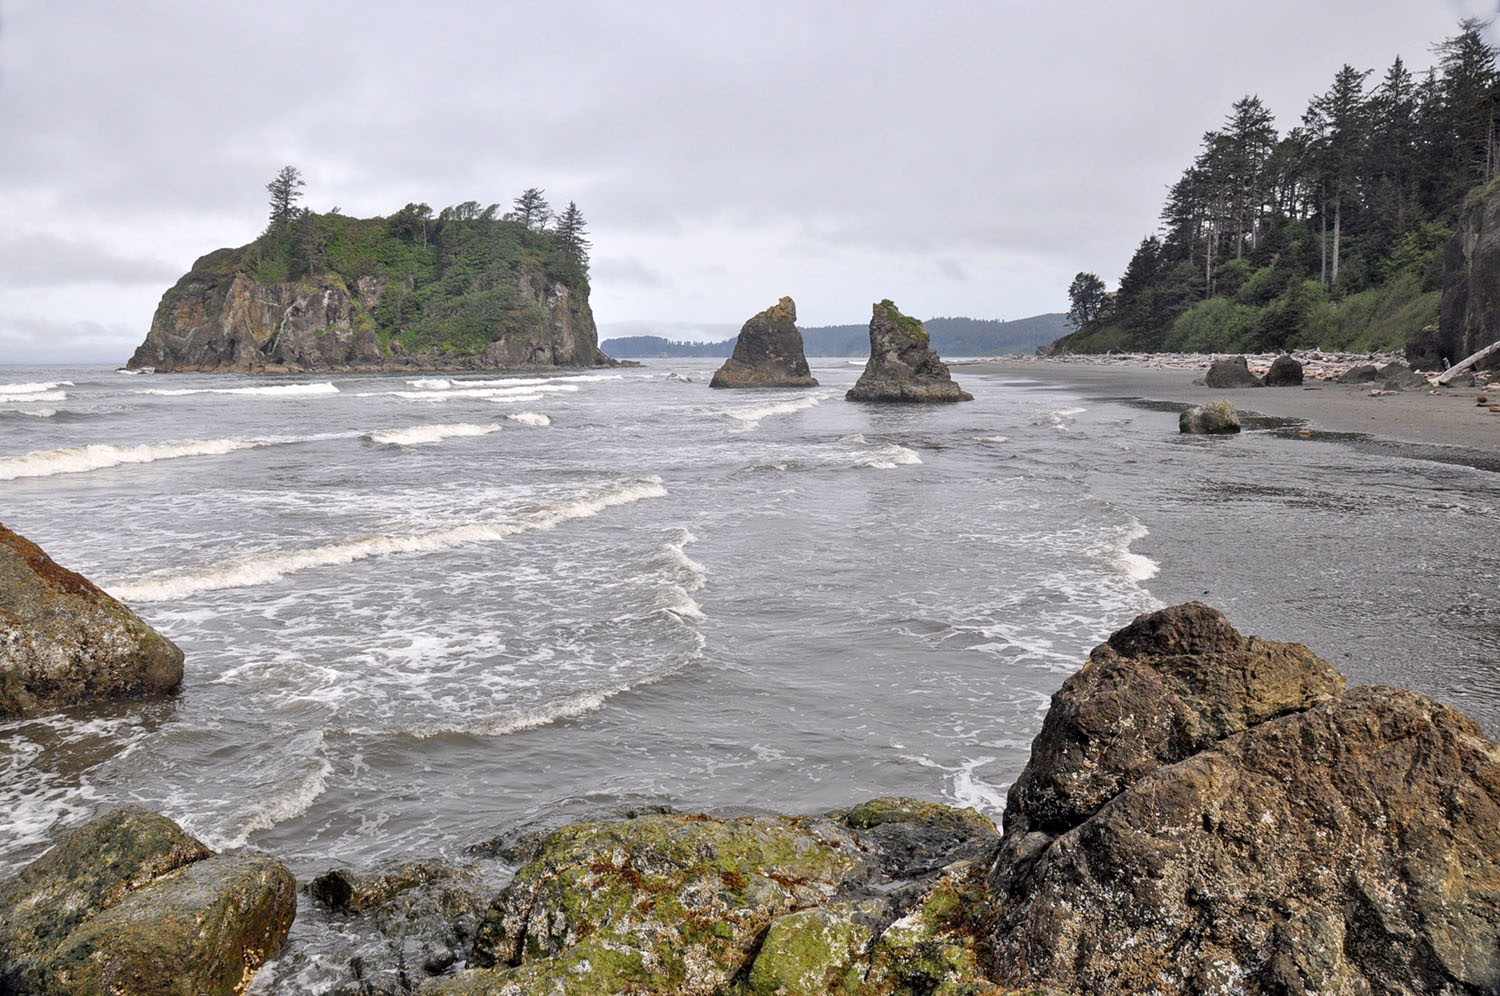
pixel 903 366
pixel 768 352
pixel 63 642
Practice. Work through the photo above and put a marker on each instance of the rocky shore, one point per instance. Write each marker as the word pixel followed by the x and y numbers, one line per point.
pixel 1203 812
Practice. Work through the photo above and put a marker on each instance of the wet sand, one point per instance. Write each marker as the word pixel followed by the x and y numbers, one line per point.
pixel 1421 421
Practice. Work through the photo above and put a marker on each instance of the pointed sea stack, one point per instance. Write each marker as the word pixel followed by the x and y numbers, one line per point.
pixel 903 365
pixel 768 352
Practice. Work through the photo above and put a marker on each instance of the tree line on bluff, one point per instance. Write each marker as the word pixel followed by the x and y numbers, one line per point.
pixel 1329 235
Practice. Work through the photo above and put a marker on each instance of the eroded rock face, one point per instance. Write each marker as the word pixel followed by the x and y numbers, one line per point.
pixel 1206 813
pixel 1469 318
pixel 1230 371
pixel 1285 372
pixel 63 642
pixel 877 899
pixel 1217 419
pixel 130 904
pixel 768 353
pixel 903 366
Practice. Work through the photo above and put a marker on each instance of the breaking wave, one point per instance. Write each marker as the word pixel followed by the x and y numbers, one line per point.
pixel 31 397
pixel 749 418
pixel 98 456
pixel 271 567
pixel 889 457
pixel 420 434
pixel 275 391
pixel 530 418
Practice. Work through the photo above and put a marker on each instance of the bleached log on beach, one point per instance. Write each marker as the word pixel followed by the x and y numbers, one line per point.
pixel 1467 362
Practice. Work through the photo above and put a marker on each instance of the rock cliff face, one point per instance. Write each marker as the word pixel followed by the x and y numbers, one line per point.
pixel 218 318
pixel 768 352
pixel 1470 315
pixel 1207 813
pixel 130 904
pixel 63 642
pixel 903 366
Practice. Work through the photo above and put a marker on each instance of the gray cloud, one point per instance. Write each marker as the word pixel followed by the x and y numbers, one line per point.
pixel 32 339
pixel 31 259
pixel 751 145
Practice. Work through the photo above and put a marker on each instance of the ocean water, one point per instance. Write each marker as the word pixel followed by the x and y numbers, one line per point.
pixel 420 612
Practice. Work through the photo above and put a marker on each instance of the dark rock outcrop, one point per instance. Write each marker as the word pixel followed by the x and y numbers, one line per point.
pixel 1206 813
pixel 768 352
pixel 1469 318
pixel 1230 371
pixel 1365 373
pixel 64 642
pixel 130 904
pixel 1285 372
pixel 877 898
pixel 1216 419
pixel 218 318
pixel 1399 377
pixel 1424 350
pixel 903 366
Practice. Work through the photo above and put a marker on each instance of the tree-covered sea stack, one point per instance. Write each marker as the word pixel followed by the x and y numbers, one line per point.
pixel 903 366
pixel 768 352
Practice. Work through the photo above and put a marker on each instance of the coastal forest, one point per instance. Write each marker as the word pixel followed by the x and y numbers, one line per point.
pixel 1328 235
pixel 449 276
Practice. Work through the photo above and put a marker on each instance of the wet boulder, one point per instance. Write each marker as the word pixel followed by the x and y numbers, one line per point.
pixel 1209 813
pixel 1217 419
pixel 64 642
pixel 130 904
pixel 1230 371
pixel 1285 372
pixel 903 366
pixel 768 352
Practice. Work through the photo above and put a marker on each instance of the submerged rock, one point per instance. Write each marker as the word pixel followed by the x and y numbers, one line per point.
pixel 131 904
pixel 1208 813
pixel 1285 372
pixel 64 642
pixel 1216 419
pixel 768 352
pixel 679 903
pixel 1230 371
pixel 903 366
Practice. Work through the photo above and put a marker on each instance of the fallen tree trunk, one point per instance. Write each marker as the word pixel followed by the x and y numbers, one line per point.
pixel 1466 363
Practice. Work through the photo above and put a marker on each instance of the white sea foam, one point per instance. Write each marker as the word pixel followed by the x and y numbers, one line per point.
pixel 97 456
pixel 888 457
pixel 274 390
pixel 972 792
pixel 282 796
pixel 420 434
pixel 530 418
pixel 34 387
pixel 37 412
pixel 1137 567
pixel 749 418
pixel 992 439
pixel 1059 418
pixel 432 383
pixel 271 567
pixel 677 598
pixel 510 392
pixel 31 397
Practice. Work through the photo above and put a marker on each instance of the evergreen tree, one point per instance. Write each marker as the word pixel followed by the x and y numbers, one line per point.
pixel 1086 298
pixel 284 195
pixel 572 235
pixel 1337 122
pixel 531 209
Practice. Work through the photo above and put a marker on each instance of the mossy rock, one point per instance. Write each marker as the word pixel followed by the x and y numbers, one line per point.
pixel 811 953
pixel 911 326
pixel 933 949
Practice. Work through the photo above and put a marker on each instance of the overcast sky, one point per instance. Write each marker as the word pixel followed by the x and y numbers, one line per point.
pixel 960 158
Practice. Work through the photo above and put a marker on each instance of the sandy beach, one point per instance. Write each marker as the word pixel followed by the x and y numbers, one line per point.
pixel 1415 420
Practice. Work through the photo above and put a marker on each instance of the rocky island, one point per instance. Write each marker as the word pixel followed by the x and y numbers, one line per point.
pixel 459 290
pixel 903 366
pixel 768 352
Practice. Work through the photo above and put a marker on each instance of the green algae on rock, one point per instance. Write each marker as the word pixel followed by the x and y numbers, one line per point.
pixel 64 642
pixel 130 904
pixel 903 365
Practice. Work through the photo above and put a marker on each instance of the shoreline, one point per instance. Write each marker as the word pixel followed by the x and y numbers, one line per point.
pixel 1420 423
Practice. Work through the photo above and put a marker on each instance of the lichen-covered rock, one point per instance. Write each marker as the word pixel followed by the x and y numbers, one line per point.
pixel 903 366
pixel 768 352
pixel 1217 419
pixel 1204 813
pixel 130 904
pixel 1230 371
pixel 1285 372
pixel 64 642
pixel 934 948
pixel 677 903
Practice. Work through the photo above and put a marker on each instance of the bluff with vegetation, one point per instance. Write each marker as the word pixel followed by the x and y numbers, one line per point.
pixel 950 336
pixel 462 288
pixel 1330 235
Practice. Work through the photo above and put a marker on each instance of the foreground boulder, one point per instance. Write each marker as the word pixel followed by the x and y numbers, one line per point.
pixel 903 366
pixel 130 904
pixel 1365 373
pixel 1400 377
pixel 1285 372
pixel 874 900
pixel 1230 371
pixel 64 642
pixel 1206 813
pixel 1216 419
pixel 768 353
